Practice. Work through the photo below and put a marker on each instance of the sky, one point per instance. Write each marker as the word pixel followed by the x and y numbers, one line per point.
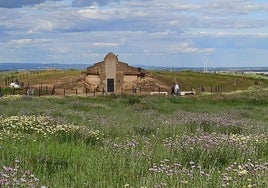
pixel 178 33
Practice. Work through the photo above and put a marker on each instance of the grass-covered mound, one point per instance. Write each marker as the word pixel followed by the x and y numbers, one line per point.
pixel 70 82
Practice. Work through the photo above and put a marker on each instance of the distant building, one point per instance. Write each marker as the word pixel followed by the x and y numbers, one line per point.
pixel 111 75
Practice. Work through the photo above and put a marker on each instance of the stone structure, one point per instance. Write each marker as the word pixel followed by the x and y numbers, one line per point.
pixel 111 75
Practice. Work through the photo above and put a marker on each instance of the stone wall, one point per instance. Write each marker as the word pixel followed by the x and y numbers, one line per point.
pixel 110 68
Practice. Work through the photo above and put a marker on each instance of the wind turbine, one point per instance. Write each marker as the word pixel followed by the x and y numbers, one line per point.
pixel 205 60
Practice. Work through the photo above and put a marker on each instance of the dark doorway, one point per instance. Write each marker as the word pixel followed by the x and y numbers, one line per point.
pixel 110 85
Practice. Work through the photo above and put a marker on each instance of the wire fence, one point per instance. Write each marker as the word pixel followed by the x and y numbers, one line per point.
pixel 43 90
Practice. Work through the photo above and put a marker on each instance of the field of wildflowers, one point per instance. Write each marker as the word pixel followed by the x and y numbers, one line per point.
pixel 135 141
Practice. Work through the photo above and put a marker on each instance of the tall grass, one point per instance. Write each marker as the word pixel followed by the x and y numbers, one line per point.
pixel 137 141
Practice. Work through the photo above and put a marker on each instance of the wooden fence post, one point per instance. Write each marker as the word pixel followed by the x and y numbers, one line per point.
pixel 203 89
pixel 53 91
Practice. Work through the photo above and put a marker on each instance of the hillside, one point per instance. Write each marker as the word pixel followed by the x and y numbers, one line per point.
pixel 72 81
pixel 211 82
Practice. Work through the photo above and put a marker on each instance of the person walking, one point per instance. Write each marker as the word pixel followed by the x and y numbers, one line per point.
pixel 173 89
pixel 177 89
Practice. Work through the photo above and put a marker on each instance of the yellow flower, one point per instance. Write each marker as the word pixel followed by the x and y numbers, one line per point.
pixel 243 172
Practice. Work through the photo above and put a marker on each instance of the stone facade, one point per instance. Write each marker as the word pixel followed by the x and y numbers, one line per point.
pixel 111 75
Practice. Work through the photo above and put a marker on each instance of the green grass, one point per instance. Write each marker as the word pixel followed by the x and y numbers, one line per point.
pixel 188 80
pixel 211 81
pixel 209 140
pixel 138 141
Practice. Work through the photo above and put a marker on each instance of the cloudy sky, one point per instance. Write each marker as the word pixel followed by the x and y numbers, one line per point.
pixel 183 33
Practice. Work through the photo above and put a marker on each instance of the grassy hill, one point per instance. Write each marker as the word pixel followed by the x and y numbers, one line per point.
pixel 61 79
pixel 188 80
pixel 212 81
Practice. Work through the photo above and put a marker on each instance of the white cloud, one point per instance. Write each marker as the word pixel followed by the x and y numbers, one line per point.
pixel 20 42
pixel 231 33
pixel 105 44
pixel 41 26
pixel 187 47
pixel 28 41
pixel 90 13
